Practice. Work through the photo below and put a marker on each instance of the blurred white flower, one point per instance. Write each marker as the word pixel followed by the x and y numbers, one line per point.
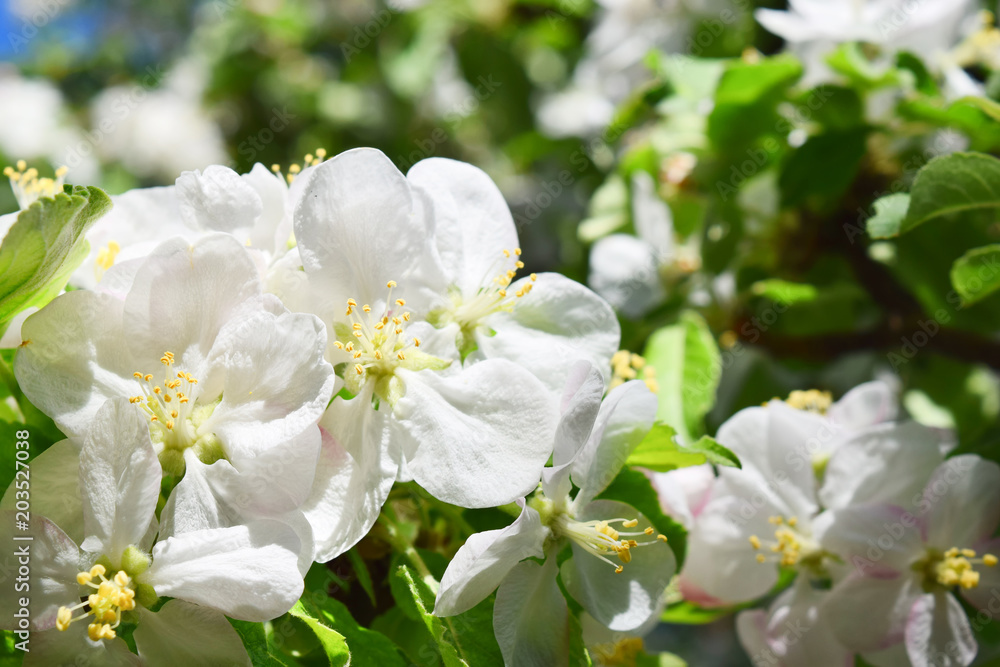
pixel 813 28
pixel 619 569
pixel 158 131
pixel 612 68
pixel 35 124
pixel 245 572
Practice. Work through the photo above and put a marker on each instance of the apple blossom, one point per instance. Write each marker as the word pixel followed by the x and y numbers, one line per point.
pixel 618 570
pixel 124 565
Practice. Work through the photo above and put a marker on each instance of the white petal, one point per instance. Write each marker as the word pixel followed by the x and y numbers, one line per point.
pixel 530 617
pixel 480 437
pixel 217 200
pixel 866 405
pixel 963 498
pixel 653 220
pixel 12 336
pixel 247 572
pixel 938 633
pixel 55 488
pixel 874 539
pixel 181 633
pixel 888 463
pixel 183 295
pixel 276 383
pixel 276 480
pixel 684 492
pixel 358 464
pixel 76 358
pixel 193 504
pixel 119 479
pixel 581 401
pixel 473 223
pixel 625 417
pixel 557 323
pixel 485 559
pixel 869 614
pixel 751 629
pixel 74 647
pixel 53 561
pixel 624 270
pixel 356 228
pixel 274 226
pixel 627 600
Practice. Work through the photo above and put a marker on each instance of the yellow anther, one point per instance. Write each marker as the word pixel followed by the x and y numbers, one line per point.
pixel 662 538
pixel 400 356
pixel 755 542
pixel 812 400
pixel 989 560
pixel 416 342
pixel 534 277
pixel 400 302
pixel 276 168
pixel 63 617
pixel 760 558
pixel 359 369
pixel 148 377
pixel 649 530
pixel 630 524
pixel 366 308
pixel 619 569
pixel 356 326
pixel 391 284
pixel 137 375
pixel 968 553
pixel 506 253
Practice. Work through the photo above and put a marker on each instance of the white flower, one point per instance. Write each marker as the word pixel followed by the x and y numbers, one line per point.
pixel 795 463
pixel 216 367
pixel 475 437
pixel 813 27
pixel 35 124
pixel 543 322
pixel 628 270
pixel 254 208
pixel 119 571
pixel 904 566
pixel 158 131
pixel 612 67
pixel 619 569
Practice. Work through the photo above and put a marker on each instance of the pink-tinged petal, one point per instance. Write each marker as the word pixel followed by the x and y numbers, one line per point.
pixel 865 405
pixel 684 492
pixel 938 632
pixel 797 632
pixel 887 463
pixel 485 559
pixel 962 502
pixel 530 617
pixel 874 538
pixel 870 613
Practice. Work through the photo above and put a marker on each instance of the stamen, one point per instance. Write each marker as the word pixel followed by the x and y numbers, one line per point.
pixel 29 188
pixel 110 599
pixel 956 567
pixel 602 540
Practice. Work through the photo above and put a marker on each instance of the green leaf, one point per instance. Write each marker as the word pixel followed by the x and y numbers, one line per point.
pixel 660 451
pixel 976 274
pixel 333 643
pixel 633 488
pixel 10 656
pixel 688 366
pixel 368 648
pixel 688 613
pixel 784 291
pixel 463 640
pixel 822 169
pixel 255 641
pixel 952 184
pixel 849 60
pixel 45 246
pixel 364 577
pixel 890 211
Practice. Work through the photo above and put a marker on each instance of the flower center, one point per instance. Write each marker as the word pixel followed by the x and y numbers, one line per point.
pixel 294 170
pixel 811 400
pixel 106 604
pixel 601 539
pixel 626 366
pixel 378 345
pixel 492 297
pixel 175 416
pixel 954 567
pixel 29 188
pixel 622 652
pixel 789 546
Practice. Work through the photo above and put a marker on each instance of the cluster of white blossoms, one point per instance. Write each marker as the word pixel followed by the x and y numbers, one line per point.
pixel 251 361
pixel 860 510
